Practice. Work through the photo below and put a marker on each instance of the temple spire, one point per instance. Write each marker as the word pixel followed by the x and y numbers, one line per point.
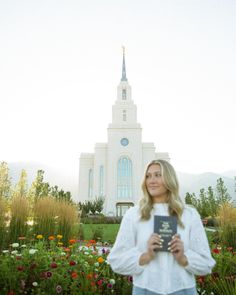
pixel 123 66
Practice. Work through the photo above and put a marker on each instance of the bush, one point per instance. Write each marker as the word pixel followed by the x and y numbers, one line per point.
pixel 101 219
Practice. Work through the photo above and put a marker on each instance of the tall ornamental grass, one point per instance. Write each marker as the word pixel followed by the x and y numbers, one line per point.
pixel 227 224
pixel 45 214
pixel 3 209
pixel 19 211
pixel 67 218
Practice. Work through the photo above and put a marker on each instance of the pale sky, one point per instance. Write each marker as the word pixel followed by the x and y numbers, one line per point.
pixel 60 65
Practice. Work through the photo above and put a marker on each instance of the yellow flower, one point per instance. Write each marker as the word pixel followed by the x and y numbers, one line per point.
pixel 39 237
pixel 59 243
pixel 59 237
pixel 100 259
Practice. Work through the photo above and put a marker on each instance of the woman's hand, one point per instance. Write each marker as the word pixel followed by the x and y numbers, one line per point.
pixel 176 247
pixel 154 244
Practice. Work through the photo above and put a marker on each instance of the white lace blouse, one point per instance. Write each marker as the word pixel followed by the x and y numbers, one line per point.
pixel 163 274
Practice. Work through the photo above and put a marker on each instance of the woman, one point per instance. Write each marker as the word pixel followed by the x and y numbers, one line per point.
pixel 137 252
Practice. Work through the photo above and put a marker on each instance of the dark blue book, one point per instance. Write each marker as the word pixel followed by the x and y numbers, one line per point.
pixel 166 227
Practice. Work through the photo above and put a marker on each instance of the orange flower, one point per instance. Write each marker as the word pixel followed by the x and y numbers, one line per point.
pixel 92 241
pixel 89 276
pixel 74 275
pixel 21 238
pixel 51 238
pixel 100 259
pixel 72 241
pixel 67 249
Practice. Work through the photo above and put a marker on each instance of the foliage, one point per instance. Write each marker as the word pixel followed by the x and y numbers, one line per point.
pixel 227 222
pixel 209 202
pixel 101 219
pixel 222 193
pixel 5 183
pixel 35 268
pixel 223 278
pixel 91 207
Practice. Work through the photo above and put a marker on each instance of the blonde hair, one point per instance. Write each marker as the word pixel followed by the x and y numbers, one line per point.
pixel 171 183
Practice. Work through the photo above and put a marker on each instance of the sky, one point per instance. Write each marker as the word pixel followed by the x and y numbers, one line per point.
pixel 60 65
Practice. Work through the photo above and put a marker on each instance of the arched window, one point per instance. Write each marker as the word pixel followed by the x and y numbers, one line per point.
pixel 101 179
pixel 124 178
pixel 90 184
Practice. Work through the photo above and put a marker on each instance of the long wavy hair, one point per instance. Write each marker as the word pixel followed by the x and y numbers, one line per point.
pixel 171 183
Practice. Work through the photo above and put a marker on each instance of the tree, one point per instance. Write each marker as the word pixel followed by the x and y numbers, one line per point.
pixel 21 187
pixel 60 194
pixel 39 188
pixel 5 183
pixel 221 191
pixel 191 199
pixel 213 204
pixel 204 204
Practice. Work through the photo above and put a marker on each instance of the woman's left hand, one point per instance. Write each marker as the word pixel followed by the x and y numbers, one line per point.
pixel 176 247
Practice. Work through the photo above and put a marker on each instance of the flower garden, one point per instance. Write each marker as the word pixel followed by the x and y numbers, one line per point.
pixel 44 266
pixel 43 250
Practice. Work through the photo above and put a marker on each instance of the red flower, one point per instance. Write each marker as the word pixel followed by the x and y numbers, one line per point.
pixel 10 293
pixel 216 251
pixel 74 275
pixel 72 262
pixel 201 280
pixel 53 265
pixel 99 282
pixel 20 268
pixel 230 249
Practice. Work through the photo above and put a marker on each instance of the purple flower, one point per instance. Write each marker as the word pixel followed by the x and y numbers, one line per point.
pixel 49 274
pixel 109 286
pixel 130 279
pixel 58 289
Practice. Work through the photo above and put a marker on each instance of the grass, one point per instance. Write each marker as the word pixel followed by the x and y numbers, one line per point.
pixel 109 231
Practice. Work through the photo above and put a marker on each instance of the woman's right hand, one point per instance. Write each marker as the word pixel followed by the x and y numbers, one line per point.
pixel 154 244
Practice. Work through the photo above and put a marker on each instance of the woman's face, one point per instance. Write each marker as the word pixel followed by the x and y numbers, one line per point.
pixel 155 185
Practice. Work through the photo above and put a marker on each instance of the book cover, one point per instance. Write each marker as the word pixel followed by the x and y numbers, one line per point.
pixel 166 227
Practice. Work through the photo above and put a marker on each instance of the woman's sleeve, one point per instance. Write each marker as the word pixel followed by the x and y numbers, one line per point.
pixel 124 255
pixel 200 261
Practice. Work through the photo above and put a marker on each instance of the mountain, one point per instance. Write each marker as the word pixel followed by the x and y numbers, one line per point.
pixel 67 179
pixel 192 183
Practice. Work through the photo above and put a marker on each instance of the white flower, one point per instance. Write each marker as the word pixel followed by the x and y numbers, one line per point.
pixel 15 245
pixel 14 252
pixel 32 251
pixel 96 264
pixel 35 284
pixel 23 246
pixel 5 251
pixel 112 281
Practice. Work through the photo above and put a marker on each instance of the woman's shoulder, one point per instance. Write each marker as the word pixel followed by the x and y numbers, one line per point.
pixel 190 211
pixel 132 212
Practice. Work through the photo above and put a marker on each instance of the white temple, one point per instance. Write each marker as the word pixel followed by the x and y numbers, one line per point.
pixel 115 170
